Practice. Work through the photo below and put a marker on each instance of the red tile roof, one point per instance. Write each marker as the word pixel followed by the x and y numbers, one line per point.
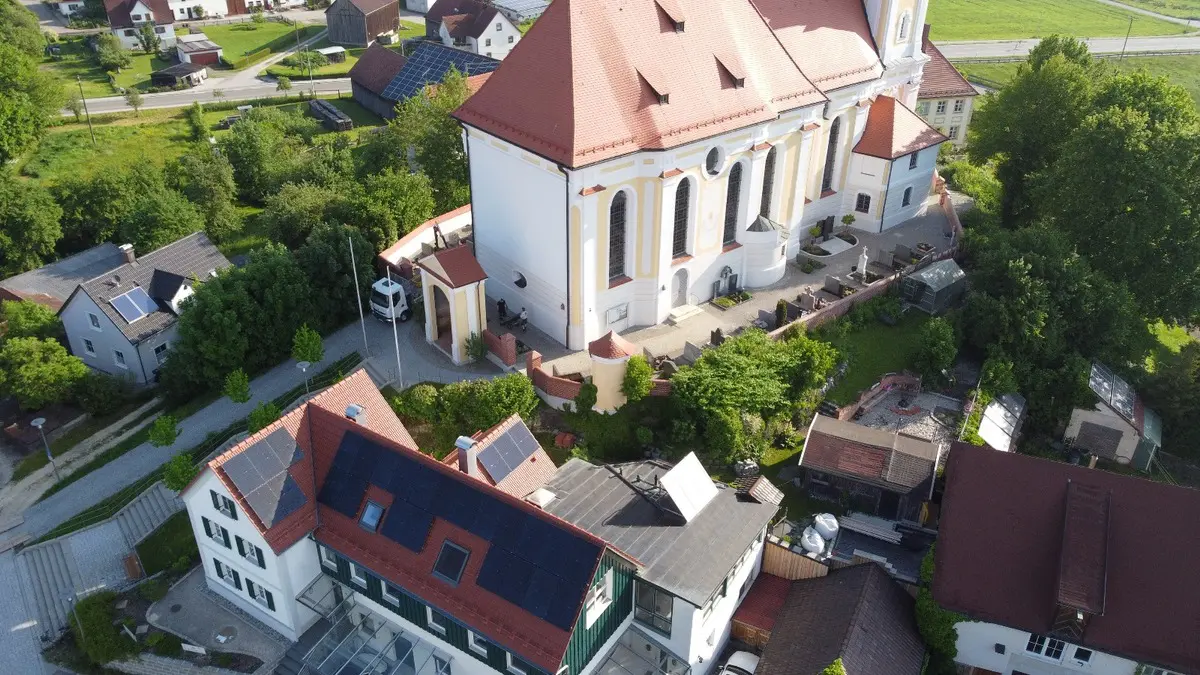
pixel 893 461
pixel 376 68
pixel 472 24
pixel 456 266
pixel 611 346
pixel 118 12
pixel 584 84
pixel 533 473
pixel 998 553
pixel 893 130
pixel 447 8
pixel 357 388
pixel 763 602
pixel 830 39
pixel 941 79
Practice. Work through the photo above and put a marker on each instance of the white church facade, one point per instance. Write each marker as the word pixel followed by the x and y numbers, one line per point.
pixel 632 157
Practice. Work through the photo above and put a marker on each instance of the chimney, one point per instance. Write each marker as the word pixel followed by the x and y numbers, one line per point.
pixel 127 249
pixel 356 413
pixel 468 456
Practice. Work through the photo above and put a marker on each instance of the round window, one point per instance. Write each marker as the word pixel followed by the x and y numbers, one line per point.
pixel 712 163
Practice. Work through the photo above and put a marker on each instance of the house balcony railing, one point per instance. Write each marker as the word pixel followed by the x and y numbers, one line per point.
pixel 361 641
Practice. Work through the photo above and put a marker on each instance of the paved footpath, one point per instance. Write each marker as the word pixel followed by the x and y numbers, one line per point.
pixel 991 49
pixel 19 646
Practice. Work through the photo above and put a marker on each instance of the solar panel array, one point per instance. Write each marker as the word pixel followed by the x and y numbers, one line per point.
pixel 260 473
pixel 1112 390
pixel 429 65
pixel 134 304
pixel 508 451
pixel 532 563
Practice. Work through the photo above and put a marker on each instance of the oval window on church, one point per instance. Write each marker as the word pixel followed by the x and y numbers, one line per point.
pixel 713 162
pixel 519 280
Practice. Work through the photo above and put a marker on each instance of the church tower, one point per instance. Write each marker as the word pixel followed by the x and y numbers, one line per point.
pixel 896 26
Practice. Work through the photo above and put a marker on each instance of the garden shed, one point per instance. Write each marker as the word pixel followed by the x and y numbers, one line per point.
pixel 935 288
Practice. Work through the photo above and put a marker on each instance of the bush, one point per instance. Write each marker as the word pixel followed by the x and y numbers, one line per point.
pixel 476 347
pixel 645 436
pixel 636 385
pixel 102 394
pixel 306 59
pixel 168 645
pixel 585 400
pixel 937 350
pixel 262 416
pixel 153 590
pixel 419 402
pixel 164 431
pixel 937 626
pixel 979 183
pixel 195 120
pixel 104 641
pixel 178 472
pixel 780 313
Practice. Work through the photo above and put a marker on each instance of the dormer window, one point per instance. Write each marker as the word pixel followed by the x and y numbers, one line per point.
pixel 371 515
pixel 672 12
pixel 731 67
pixel 450 563
pixel 656 82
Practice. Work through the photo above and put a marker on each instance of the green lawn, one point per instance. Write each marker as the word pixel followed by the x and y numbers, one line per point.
pixel 68 150
pixel 408 29
pixel 239 39
pixel 1016 19
pixel 36 460
pixel 76 62
pixel 1170 340
pixel 874 351
pixel 166 545
pixel 1182 70
pixel 1184 9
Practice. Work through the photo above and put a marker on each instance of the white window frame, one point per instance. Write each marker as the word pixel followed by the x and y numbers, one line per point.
pixel 941 108
pixel 225 573
pixel 387 594
pixel 251 553
pixel 1041 645
pixel 499 27
pixel 959 105
pixel 435 627
pixel 487 42
pixel 227 507
pixel 258 593
pixel 599 598
pixel 513 667
pixel 328 557
pixel 358 574
pixel 89 347
pixel 119 359
pixel 161 356
pixel 95 322
pixel 474 641
pixel 511 39
pixel 953 134
pixel 217 534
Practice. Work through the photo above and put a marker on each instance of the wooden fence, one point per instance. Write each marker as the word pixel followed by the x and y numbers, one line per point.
pixel 785 563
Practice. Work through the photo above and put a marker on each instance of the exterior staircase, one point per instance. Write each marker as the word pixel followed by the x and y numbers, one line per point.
pixel 144 514
pixel 682 313
pixel 293 661
pixel 50 577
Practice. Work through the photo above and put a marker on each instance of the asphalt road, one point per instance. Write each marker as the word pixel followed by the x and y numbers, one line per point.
pixel 176 99
pixel 1002 48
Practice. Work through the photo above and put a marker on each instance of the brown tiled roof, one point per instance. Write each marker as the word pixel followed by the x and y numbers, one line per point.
pixel 611 346
pixel 998 560
pixel 376 68
pixel 444 8
pixel 829 39
pixel 118 12
pixel 454 266
pixel 893 130
pixel 584 85
pixel 472 24
pixel 858 614
pixel 941 78
pixel 533 473
pixel 763 602
pixel 369 6
pixel 1081 564
pixel 893 461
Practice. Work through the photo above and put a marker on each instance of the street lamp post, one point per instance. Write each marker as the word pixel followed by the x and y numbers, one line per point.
pixel 40 422
pixel 71 599
pixel 303 366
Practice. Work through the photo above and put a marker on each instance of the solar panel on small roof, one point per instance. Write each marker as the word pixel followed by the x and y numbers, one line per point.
pixel 126 308
pixel 429 64
pixel 689 486
pixel 508 451
pixel 260 474
pixel 1100 381
pixel 1123 398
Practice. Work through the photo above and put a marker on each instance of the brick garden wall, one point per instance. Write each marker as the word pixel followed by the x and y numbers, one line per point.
pixel 503 346
pixel 885 384
pixel 554 390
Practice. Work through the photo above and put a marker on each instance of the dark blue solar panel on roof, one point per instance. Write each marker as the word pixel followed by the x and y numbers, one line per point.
pixel 407 525
pixel 142 300
pixel 290 500
pixel 508 451
pixel 543 587
pixel 126 308
pixel 429 64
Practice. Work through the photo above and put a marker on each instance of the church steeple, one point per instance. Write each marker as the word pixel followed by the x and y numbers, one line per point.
pixel 896 27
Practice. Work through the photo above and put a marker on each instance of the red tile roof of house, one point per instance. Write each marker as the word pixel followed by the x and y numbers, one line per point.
pixel 597 79
pixel 533 473
pixel 763 602
pixel 443 9
pixel 472 24
pixel 455 267
pixel 998 553
pixel 941 79
pixel 376 68
pixel 611 346
pixel 893 130
pixel 118 12
pixel 829 39
pixel 890 460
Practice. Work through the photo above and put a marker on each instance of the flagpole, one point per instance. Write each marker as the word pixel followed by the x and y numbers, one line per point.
pixel 395 334
pixel 358 296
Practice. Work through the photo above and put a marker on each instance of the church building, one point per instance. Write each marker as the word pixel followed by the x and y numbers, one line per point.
pixel 634 157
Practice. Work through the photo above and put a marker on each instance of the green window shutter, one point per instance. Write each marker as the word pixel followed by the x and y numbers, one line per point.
pixel 207 526
pixel 225 536
pixel 270 601
pixel 237 580
pixel 219 568
pixel 241 546
pixel 215 499
pixel 261 562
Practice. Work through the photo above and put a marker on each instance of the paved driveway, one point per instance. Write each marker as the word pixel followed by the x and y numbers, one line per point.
pixel 18 629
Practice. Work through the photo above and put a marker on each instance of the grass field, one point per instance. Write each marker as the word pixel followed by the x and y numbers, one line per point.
pixel 239 39
pixel 408 30
pixel 876 350
pixel 1016 19
pixel 164 547
pixel 77 62
pixel 1184 9
pixel 68 151
pixel 1182 70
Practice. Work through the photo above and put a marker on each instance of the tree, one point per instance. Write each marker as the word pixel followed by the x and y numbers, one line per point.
pixel 164 431
pixel 389 205
pixel 585 400
pixel 38 372
pixel 480 404
pixel 1023 126
pixel 283 83
pixel 19 28
pixel 307 346
pixel 134 99
pixel 419 402
pixel 195 119
pixel 32 99
pixel 835 668
pixel 263 415
pixel 29 224
pixel 110 53
pixel 636 383
pixel 781 311
pixel 29 319
pixel 205 177
pixel 148 38
pixel 237 386
pixel 1173 390
pixel 1072 49
pixel 293 213
pixel 94 206
pixel 75 105
pixel 281 297
pixel 423 122
pixel 179 472
pixel 159 218
pixel 937 350
pixel 326 260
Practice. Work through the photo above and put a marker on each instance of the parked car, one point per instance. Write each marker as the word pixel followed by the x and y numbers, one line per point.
pixel 740 663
